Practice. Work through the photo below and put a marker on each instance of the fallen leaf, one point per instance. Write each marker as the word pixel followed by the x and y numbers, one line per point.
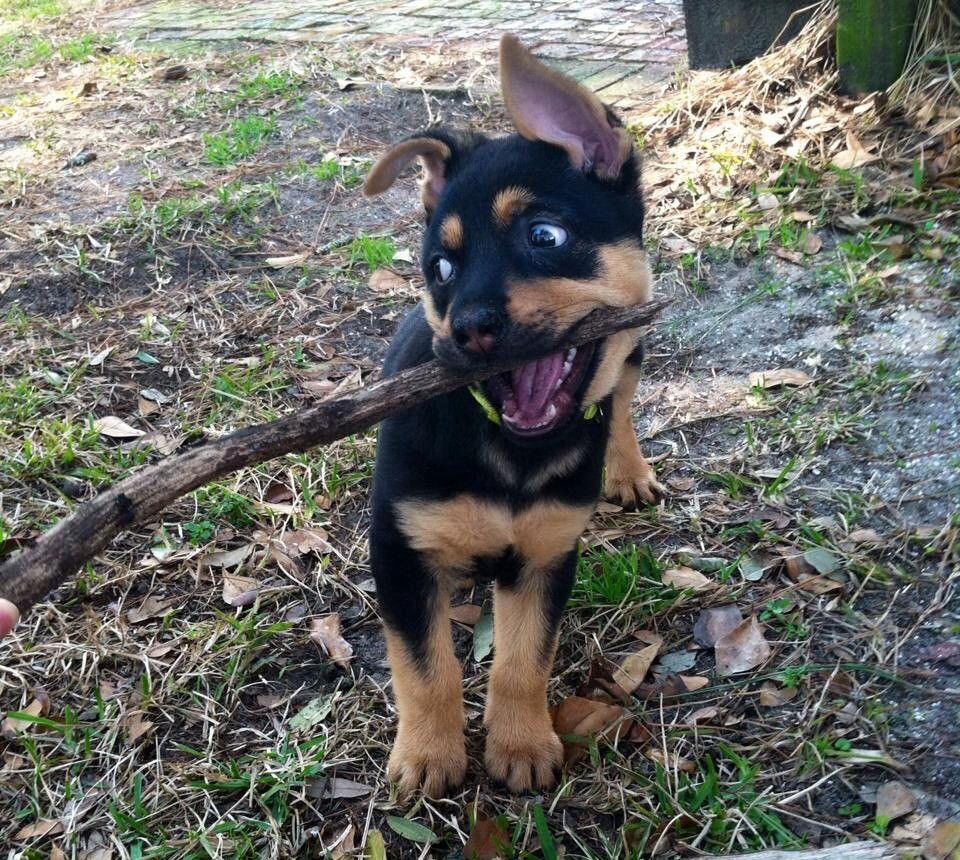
pixel 702 714
pixel 239 590
pixel 671 761
pixel 715 623
pixel 306 540
pixel 894 800
pixel 116 428
pixel 376 848
pixel 483 637
pixel 818 584
pixel 705 564
pixel 466 613
pixel 386 281
pixel 942 842
pixel 278 493
pixel 285 262
pixel 607 508
pixel 630 674
pixel 855 155
pixel 772 696
pixel 865 536
pixel 676 662
pixel 648 637
pixel 271 701
pixel 742 649
pixel 314 712
pixel 326 632
pixel 787 376
pixel 767 201
pixel 692 683
pixel 488 841
pixel 802 217
pixel 678 245
pixel 146 407
pixel 751 568
pixel 337 788
pixel 137 726
pixel 576 720
pixel 152 607
pixel 228 558
pixel 813 244
pixel 89 88
pixel 687 578
pixel 12 726
pixel 821 560
pixel 43 827
pixel 788 255
pixel 412 830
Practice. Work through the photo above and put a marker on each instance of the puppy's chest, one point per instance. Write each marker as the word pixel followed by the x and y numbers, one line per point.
pixel 459 533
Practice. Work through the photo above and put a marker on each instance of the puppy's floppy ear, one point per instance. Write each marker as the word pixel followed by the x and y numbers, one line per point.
pixel 439 152
pixel 546 105
pixel 434 155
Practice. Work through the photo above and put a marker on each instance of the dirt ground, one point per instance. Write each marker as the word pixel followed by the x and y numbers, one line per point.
pixel 213 265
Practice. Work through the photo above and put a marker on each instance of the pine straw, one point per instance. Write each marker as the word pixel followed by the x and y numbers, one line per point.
pixel 778 125
pixel 929 90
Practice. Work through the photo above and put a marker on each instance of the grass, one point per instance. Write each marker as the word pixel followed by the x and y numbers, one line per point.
pixel 241 139
pixel 375 252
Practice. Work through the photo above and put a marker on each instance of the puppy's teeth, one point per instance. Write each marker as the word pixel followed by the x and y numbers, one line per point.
pixel 559 382
pixel 572 354
pixel 551 413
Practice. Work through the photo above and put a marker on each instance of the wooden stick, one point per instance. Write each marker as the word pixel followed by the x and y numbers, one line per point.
pixel 850 851
pixel 35 571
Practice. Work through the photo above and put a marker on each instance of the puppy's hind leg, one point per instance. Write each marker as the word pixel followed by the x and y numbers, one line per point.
pixel 630 479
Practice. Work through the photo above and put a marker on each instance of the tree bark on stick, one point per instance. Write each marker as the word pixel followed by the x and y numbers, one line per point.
pixel 34 572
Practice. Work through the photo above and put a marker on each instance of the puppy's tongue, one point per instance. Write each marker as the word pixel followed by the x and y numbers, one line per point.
pixel 534 384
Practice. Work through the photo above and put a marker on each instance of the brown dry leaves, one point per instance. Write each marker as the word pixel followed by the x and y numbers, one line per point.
pixel 325 632
pixel 742 649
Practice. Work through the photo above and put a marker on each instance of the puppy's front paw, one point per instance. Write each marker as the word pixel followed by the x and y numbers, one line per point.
pixel 523 757
pixel 629 490
pixel 436 765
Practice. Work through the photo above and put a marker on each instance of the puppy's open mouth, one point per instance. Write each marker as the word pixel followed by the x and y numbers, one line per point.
pixel 541 395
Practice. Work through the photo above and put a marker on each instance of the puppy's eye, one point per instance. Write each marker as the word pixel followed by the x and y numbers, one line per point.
pixel 442 270
pixel 543 235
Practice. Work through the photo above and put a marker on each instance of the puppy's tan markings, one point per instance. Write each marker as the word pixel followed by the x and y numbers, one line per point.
pixel 615 348
pixel 453 532
pixel 629 476
pixel 440 326
pixel 429 749
pixel 556 468
pixel 624 280
pixel 451 233
pixel 508 203
pixel 547 531
pixel 522 748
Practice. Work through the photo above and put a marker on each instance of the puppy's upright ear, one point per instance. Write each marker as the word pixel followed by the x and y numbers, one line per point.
pixel 440 154
pixel 546 105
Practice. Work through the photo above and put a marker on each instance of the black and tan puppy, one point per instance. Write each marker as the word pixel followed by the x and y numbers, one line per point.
pixel 525 236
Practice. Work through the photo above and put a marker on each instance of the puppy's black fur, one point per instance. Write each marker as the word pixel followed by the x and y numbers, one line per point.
pixel 524 236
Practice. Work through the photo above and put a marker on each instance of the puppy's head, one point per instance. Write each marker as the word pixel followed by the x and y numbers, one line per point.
pixel 525 236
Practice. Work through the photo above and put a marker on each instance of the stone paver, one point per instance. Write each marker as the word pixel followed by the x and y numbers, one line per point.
pixel 618 48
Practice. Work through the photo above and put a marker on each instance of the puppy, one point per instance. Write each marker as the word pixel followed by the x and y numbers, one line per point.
pixel 525 236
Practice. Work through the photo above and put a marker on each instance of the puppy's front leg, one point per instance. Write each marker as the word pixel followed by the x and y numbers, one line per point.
pixel 630 478
pixel 523 750
pixel 427 684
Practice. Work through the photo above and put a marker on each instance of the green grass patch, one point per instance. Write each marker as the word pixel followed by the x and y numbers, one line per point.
pixel 242 138
pixel 631 574
pixel 81 49
pixel 349 175
pixel 375 251
pixel 30 10
pixel 18 51
pixel 265 85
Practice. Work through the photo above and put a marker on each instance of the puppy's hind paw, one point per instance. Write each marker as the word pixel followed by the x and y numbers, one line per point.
pixel 523 763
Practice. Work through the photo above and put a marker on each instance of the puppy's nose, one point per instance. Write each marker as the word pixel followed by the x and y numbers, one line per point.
pixel 477 329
